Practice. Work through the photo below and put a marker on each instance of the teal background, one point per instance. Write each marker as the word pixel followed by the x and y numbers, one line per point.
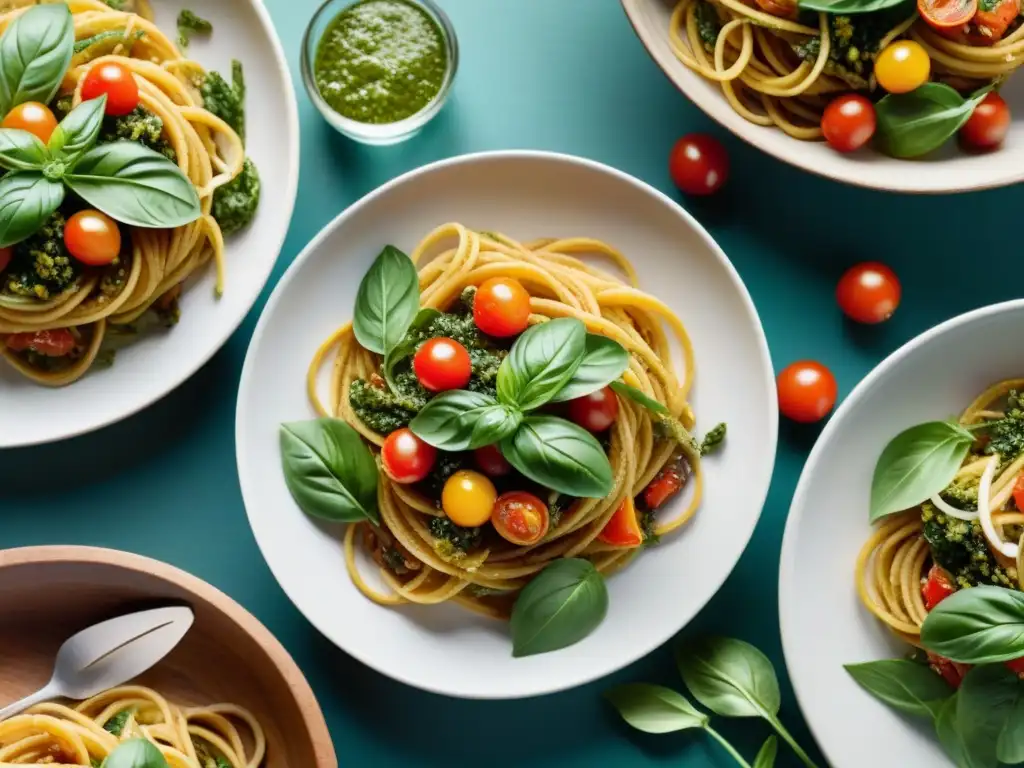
pixel 564 75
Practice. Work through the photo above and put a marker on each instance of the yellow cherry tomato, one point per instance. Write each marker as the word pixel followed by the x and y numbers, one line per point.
pixel 468 498
pixel 902 66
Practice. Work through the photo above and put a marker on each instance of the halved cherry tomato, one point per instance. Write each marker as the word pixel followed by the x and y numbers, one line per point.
pixel 1016 666
pixel 946 14
pixel 952 672
pixel 406 458
pixel 623 529
pixel 698 164
pixel 5 257
pixel 520 517
pixel 55 343
pixel 666 484
pixel 1018 492
pixel 442 364
pixel 902 66
pixel 117 82
pixel 807 391
pixel 501 307
pixel 468 498
pixel 595 412
pixel 988 27
pixel 868 292
pixel 937 587
pixel 33 117
pixel 490 460
pixel 783 8
pixel 848 122
pixel 92 237
pixel 987 126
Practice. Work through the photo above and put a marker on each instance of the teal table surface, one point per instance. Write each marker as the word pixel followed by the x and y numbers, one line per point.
pixel 569 76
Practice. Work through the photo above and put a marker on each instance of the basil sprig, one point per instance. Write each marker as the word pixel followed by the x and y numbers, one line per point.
pixel 35 52
pixel 541 362
pixel 604 361
pixel 136 753
pixel 559 455
pixel 915 123
pixel 460 420
pixel 979 625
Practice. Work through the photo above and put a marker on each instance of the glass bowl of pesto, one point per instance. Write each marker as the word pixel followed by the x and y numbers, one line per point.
pixel 379 70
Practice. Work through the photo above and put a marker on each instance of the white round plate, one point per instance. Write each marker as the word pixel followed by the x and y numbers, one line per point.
pixel 947 170
pixel 157 363
pixel 823 622
pixel 527 195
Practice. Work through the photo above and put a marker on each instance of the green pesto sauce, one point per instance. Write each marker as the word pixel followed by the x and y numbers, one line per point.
pixel 380 61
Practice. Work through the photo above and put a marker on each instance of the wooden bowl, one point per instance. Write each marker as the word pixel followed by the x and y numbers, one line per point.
pixel 49 593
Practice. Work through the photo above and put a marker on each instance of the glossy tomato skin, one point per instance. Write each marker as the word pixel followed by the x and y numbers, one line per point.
pixel 33 117
pixel 807 391
pixel 868 292
pixel 987 126
pixel 947 14
pixel 406 458
pixel 491 462
pixel 698 164
pixel 441 364
pixel 54 343
pixel 501 307
pixel 1018 492
pixel 5 257
pixel 117 82
pixel 937 587
pixel 92 237
pixel 848 122
pixel 595 412
pixel 902 66
pixel 1016 666
pixel 623 529
pixel 951 671
pixel 520 517
pixel 666 484
pixel 468 498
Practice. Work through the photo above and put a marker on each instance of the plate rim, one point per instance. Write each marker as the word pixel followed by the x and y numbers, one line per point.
pixel 245 383
pixel 291 189
pixel 797 508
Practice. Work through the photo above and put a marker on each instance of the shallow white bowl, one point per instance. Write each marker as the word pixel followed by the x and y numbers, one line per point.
pixel 947 170
pixel 526 195
pixel 824 624
pixel 150 368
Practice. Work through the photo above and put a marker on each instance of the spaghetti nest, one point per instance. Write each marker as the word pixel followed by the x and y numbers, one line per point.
pixel 488 576
pixel 86 734
pixel 153 263
pixel 782 70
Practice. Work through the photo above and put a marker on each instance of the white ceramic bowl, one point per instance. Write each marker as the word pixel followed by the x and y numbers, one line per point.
pixel 527 195
pixel 824 625
pixel 157 363
pixel 948 170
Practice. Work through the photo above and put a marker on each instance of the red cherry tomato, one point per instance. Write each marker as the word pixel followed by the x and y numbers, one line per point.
pixel 117 82
pixel 987 126
pixel 623 529
pixel 55 343
pixel 937 587
pixel 490 460
pixel 807 391
pixel 595 412
pixel 520 518
pixel 868 292
pixel 92 237
pixel 848 122
pixel 33 117
pixel 698 164
pixel 5 257
pixel 666 484
pixel 406 458
pixel 946 14
pixel 951 671
pixel 1016 666
pixel 441 364
pixel 501 307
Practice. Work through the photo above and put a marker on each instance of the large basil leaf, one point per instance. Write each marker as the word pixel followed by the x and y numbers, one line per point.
pixel 561 456
pixel 407 346
pixel 604 360
pixel 387 301
pixel 915 123
pixel 136 753
pixel 460 420
pixel 541 362
pixel 916 464
pixel 21 151
pixel 35 51
pixel 329 470
pixel 78 131
pixel 988 711
pixel 767 754
pixel 26 202
pixel 729 677
pixel 637 396
pixel 903 685
pixel 559 607
pixel 134 185
pixel 980 625
pixel 950 737
pixel 847 7
pixel 655 708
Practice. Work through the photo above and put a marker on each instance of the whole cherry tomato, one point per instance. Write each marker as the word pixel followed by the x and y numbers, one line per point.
pixel 501 307
pixel 92 237
pixel 698 164
pixel 868 292
pixel 902 66
pixel 987 126
pixel 807 391
pixel 468 498
pixel 117 82
pixel 520 517
pixel 33 117
pixel 490 460
pixel 595 412
pixel 442 364
pixel 848 122
pixel 54 343
pixel 406 458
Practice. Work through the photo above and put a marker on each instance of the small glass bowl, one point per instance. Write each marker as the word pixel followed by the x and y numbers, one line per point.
pixel 374 133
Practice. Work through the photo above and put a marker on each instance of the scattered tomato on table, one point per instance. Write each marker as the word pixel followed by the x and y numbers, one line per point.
pixel 807 391
pixel 868 292
pixel 698 164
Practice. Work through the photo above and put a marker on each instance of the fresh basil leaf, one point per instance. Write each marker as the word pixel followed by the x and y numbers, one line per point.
pixel 915 123
pixel 387 301
pixel 134 185
pixel 903 685
pixel 560 606
pixel 916 464
pixel 541 362
pixel 460 420
pixel 21 151
pixel 655 708
pixel 1010 746
pixel 980 625
pixel 78 131
pixel 604 360
pixel 329 470
pixel 986 699
pixel 135 753
pixel 561 456
pixel 846 7
pixel 950 737
pixel 26 202
pixel 35 51
pixel 637 396
pixel 407 346
pixel 767 754
pixel 730 677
